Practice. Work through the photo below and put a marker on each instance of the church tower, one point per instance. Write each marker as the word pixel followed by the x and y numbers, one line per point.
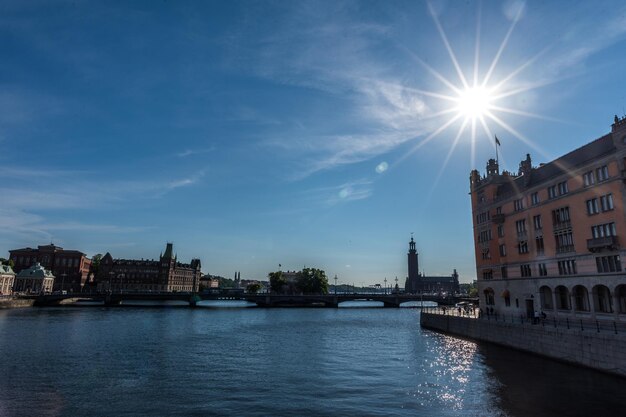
pixel 413 277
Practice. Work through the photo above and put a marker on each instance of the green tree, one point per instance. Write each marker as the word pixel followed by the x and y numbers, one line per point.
pixel 312 281
pixel 4 261
pixel 277 281
pixel 473 292
pixel 253 288
pixel 95 264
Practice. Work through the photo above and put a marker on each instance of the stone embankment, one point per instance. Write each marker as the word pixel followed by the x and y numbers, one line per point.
pixel 601 347
pixel 13 302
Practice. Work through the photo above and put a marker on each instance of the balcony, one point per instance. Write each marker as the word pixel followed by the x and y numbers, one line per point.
pixel 599 243
pixel 565 249
pixel 498 218
pixel 566 224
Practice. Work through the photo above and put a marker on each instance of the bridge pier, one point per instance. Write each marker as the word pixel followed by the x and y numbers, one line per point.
pixel 109 300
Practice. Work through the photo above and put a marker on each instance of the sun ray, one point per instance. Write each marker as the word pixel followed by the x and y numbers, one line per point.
pixel 521 68
pixel 447 44
pixel 429 138
pixel 434 72
pixel 455 142
pixel 518 135
pixel 477 47
pixel 502 46
pixel 528 114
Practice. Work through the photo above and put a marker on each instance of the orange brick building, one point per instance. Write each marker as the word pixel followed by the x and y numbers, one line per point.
pixel 70 267
pixel 550 238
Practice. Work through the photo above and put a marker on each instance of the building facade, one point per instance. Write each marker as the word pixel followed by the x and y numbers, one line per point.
pixel 417 283
pixel 71 267
pixel 164 275
pixel 7 279
pixel 550 238
pixel 34 280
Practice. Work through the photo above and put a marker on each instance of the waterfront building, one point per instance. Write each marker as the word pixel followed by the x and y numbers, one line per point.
pixel 7 279
pixel 551 237
pixel 417 283
pixel 165 274
pixel 34 280
pixel 70 266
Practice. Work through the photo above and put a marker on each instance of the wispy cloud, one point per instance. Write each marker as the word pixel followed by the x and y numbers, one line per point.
pixel 190 152
pixel 342 193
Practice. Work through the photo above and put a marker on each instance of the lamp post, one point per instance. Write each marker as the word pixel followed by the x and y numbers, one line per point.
pixel 385 285
pixel 335 284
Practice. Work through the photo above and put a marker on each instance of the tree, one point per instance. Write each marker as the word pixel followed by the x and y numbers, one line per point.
pixel 473 292
pixel 253 288
pixel 4 261
pixel 312 281
pixel 277 281
pixel 95 264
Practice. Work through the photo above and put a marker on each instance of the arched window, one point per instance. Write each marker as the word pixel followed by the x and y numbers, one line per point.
pixel 489 297
pixel 581 298
pixel 562 298
pixel 602 299
pixel 546 298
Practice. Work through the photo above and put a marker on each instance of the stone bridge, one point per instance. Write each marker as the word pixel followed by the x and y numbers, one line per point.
pixel 261 300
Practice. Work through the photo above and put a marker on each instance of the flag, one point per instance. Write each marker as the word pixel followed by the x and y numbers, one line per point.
pixel 497 141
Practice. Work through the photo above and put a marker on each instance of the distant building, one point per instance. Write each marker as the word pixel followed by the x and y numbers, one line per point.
pixel 551 238
pixel 166 274
pixel 34 280
pixel 71 267
pixel 416 283
pixel 7 279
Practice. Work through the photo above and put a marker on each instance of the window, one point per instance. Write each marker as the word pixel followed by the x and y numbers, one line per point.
pixel 484 236
pixel 539 245
pixel 562 186
pixel 502 250
pixel 522 246
pixel 507 300
pixel 500 231
pixel 520 226
pixel 525 270
pixel 592 206
pixel 552 191
pixel 606 202
pixel 543 271
pixel 588 178
pixel 534 198
pixel 564 242
pixel 486 254
pixel 537 222
pixel 603 230
pixel 518 204
pixel 488 274
pixel 482 217
pixel 560 217
pixel 567 267
pixel 602 173
pixel 608 263
pixel 504 272
pixel 499 210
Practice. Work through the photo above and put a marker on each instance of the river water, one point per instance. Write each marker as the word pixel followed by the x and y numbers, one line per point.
pixel 94 361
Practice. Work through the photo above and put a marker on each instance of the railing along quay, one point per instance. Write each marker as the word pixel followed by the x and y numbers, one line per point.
pixel 583 325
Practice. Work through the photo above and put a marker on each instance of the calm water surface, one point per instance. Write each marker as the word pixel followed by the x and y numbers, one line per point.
pixel 299 362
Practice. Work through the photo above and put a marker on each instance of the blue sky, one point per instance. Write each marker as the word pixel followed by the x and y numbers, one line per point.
pixel 253 134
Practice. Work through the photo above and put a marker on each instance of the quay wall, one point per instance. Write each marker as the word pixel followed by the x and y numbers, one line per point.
pixel 15 303
pixel 601 351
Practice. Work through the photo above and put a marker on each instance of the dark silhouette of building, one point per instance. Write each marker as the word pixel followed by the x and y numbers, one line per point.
pixel 70 267
pixel 166 274
pixel 417 283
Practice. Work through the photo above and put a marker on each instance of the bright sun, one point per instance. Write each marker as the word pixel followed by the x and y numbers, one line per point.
pixel 474 102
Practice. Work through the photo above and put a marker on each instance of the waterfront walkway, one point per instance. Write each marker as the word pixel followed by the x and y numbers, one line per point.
pixel 584 324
